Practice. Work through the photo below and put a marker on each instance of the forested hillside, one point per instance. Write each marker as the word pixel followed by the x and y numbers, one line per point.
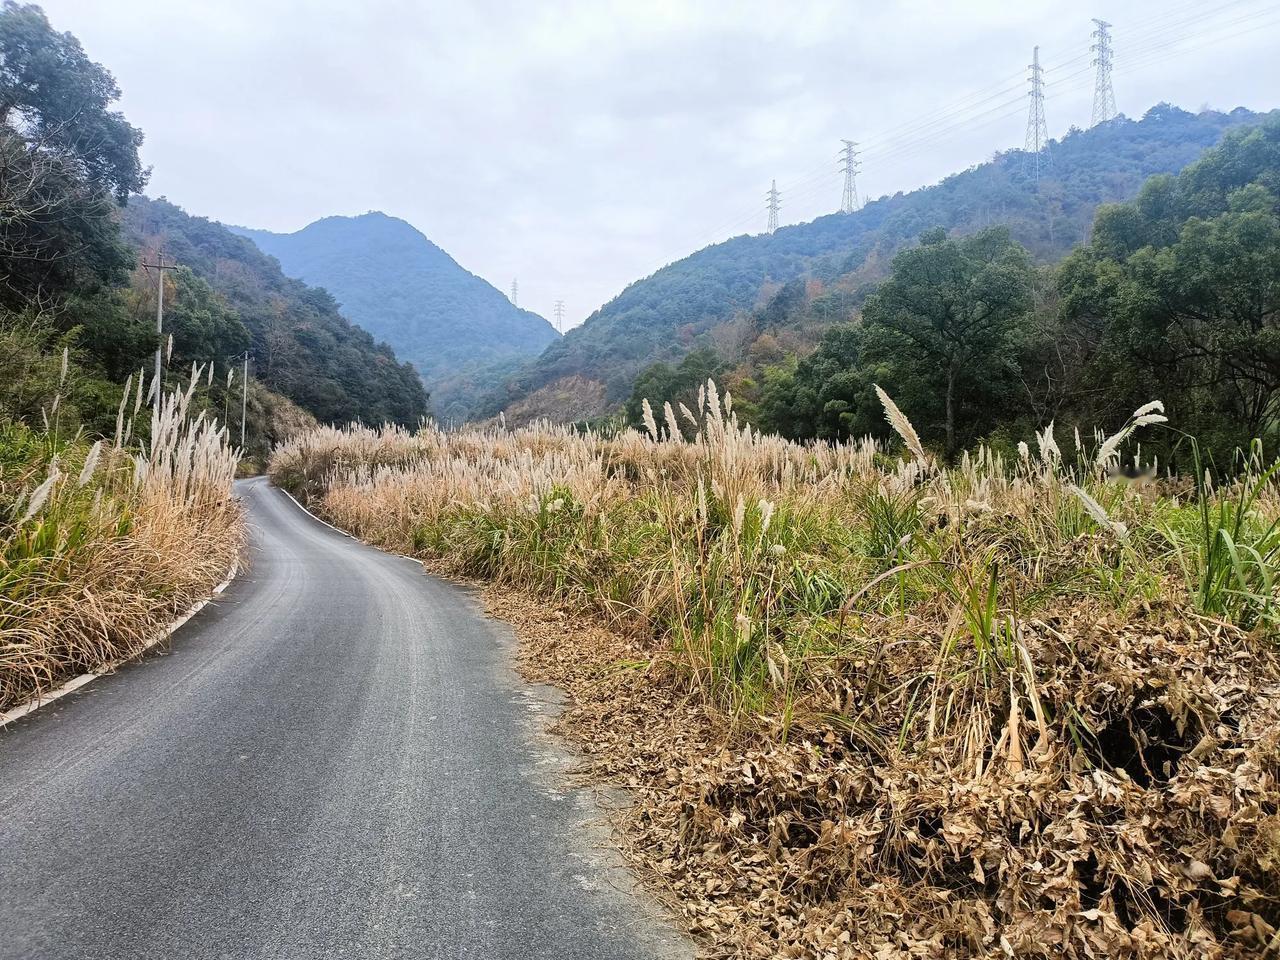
pixel 404 289
pixel 1175 297
pixel 77 307
pixel 304 347
pixel 705 300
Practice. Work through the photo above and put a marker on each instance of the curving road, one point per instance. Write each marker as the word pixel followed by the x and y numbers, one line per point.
pixel 334 760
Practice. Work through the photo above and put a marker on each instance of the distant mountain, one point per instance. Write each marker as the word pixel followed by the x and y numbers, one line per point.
pixel 303 347
pixel 403 289
pixel 705 299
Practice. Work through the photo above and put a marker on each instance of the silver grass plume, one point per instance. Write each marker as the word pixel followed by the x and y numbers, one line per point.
pixel 90 464
pixel 40 494
pixel 1095 510
pixel 901 425
pixel 649 423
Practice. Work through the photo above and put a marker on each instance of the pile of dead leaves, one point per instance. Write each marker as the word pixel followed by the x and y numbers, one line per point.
pixel 1144 821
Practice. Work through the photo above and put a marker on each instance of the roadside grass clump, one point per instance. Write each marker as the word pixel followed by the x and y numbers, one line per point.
pixel 892 707
pixel 104 542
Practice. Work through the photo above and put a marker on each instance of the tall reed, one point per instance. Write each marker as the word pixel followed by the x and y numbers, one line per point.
pixel 104 542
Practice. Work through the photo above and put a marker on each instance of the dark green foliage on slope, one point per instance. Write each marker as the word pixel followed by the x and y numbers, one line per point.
pixel 675 310
pixel 663 383
pixel 943 334
pixel 1178 295
pixel 303 347
pixel 403 289
pixel 66 160
pixel 1176 298
pixel 77 312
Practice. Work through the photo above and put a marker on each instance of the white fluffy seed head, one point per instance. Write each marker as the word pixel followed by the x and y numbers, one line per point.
pixel 901 425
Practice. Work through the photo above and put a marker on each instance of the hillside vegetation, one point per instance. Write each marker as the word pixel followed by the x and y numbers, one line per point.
pixel 1175 295
pixel 304 348
pixel 116 508
pixel 700 301
pixel 72 280
pixel 403 289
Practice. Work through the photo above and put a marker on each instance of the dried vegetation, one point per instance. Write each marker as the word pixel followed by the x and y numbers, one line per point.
pixel 104 543
pixel 871 706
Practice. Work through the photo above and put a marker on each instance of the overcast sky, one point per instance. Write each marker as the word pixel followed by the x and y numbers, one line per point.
pixel 581 145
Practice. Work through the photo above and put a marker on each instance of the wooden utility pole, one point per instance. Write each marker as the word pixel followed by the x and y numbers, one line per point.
pixel 244 399
pixel 160 267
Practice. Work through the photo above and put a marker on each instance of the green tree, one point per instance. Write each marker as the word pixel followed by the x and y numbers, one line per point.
pixel 822 395
pixel 1177 293
pixel 66 161
pixel 951 320
pixel 61 101
pixel 662 383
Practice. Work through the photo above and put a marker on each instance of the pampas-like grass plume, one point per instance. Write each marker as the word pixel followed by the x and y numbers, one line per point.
pixel 901 425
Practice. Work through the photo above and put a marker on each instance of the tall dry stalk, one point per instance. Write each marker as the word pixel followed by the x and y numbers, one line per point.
pixel 112 543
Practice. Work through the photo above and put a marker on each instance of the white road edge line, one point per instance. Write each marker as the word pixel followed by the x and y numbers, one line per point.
pixel 349 536
pixel 31 706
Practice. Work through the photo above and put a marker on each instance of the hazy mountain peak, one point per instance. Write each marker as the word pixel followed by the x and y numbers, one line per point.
pixel 404 289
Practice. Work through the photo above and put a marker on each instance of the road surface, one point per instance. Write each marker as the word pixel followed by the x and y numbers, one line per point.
pixel 334 760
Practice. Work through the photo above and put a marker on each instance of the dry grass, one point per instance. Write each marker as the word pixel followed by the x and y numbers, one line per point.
pixel 105 543
pixel 878 707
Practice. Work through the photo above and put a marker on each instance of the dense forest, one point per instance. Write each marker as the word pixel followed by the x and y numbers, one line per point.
pixel 1173 298
pixel 404 289
pixel 706 299
pixel 304 347
pixel 78 304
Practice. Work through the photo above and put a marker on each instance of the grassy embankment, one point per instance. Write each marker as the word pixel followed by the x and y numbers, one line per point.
pixel 105 543
pixel 885 707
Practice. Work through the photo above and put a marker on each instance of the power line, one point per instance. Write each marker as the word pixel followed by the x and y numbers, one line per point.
pixel 1187 26
pixel 849 202
pixel 1104 96
pixel 773 196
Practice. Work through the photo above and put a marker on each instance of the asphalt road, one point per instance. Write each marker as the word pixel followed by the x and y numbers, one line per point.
pixel 334 760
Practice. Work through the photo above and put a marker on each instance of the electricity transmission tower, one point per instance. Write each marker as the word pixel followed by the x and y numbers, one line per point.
pixel 852 164
pixel 1104 97
pixel 1037 129
pixel 773 197
pixel 515 293
pixel 559 310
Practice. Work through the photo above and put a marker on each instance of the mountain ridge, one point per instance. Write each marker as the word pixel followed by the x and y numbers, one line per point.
pixel 692 302
pixel 394 281
pixel 304 348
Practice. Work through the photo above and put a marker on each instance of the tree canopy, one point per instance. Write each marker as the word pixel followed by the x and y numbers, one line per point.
pixel 1174 298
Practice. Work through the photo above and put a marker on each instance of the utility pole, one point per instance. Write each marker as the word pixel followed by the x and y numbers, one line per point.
pixel 244 398
pixel 1037 129
pixel 515 293
pixel 559 316
pixel 1104 96
pixel 773 196
pixel 160 267
pixel 849 155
